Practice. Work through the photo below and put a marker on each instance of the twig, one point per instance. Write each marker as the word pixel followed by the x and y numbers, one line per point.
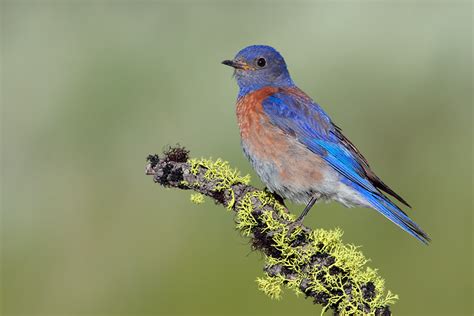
pixel 315 263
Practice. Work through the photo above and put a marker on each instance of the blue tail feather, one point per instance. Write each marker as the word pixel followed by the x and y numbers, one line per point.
pixel 391 211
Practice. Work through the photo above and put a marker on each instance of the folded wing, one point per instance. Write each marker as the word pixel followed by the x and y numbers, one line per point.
pixel 295 113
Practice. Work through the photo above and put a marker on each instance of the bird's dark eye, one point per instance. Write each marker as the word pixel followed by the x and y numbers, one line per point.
pixel 261 62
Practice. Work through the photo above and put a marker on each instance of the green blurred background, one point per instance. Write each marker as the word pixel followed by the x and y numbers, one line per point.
pixel 89 88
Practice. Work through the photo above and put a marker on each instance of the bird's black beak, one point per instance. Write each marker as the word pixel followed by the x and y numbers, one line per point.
pixel 236 64
pixel 228 63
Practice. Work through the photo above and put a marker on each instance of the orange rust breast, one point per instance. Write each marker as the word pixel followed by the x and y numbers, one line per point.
pixel 250 114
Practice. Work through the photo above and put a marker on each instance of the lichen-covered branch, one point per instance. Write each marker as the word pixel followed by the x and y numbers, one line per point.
pixel 313 263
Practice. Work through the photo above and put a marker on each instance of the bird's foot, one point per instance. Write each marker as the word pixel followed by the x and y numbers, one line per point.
pixel 293 226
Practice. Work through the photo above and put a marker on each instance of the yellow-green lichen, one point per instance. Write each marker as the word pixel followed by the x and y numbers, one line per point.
pixel 350 260
pixel 347 258
pixel 246 220
pixel 220 172
pixel 271 286
pixel 197 198
pixel 244 217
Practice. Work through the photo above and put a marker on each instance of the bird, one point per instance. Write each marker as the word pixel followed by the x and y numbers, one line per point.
pixel 295 148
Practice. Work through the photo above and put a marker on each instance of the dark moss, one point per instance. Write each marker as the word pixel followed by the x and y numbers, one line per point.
pixel 263 242
pixel 305 288
pixel 274 270
pixel 176 154
pixel 163 179
pixel 347 288
pixel 337 292
pixel 300 239
pixel 176 175
pixel 383 311
pixel 368 291
pixel 153 160
pixel 322 259
pixel 219 196
pixel 335 270
pixel 321 298
pixel 364 307
pixel 288 273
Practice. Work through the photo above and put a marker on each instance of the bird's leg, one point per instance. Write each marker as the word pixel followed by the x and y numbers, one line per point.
pixel 306 210
pixel 299 220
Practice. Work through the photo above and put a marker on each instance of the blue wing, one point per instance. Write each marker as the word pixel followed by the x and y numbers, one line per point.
pixel 298 115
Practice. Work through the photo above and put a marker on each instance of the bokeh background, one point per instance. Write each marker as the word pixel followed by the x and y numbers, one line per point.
pixel 89 88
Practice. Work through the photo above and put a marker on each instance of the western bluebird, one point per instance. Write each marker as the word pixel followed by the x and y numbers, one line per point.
pixel 295 148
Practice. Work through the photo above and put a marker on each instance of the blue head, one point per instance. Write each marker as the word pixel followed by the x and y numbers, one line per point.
pixel 259 66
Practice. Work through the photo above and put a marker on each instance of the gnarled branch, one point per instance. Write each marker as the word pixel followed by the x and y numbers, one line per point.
pixel 315 263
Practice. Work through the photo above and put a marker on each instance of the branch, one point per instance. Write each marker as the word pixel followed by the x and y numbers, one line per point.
pixel 315 263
